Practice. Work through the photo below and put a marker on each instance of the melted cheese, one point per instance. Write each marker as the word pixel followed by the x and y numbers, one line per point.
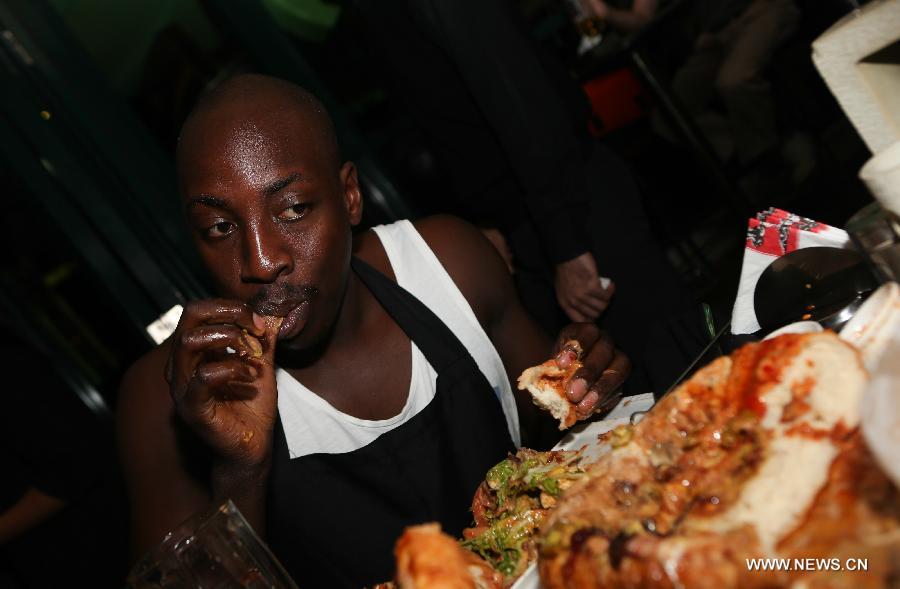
pixel 795 467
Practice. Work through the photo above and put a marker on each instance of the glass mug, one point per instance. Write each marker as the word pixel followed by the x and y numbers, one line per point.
pixel 215 549
pixel 877 233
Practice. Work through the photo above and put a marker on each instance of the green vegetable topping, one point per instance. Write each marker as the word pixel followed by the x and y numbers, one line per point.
pixel 551 486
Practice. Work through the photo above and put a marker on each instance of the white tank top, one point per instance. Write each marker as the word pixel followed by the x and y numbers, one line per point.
pixel 313 426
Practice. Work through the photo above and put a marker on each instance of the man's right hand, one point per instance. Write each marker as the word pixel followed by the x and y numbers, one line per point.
pixel 228 398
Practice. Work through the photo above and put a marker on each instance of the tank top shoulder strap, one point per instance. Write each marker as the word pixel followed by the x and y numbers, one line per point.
pixel 436 341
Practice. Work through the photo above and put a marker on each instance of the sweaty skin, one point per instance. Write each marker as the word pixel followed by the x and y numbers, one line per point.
pixel 271 208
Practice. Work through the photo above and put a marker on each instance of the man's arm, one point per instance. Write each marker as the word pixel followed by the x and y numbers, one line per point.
pixel 481 275
pixel 33 508
pixel 162 492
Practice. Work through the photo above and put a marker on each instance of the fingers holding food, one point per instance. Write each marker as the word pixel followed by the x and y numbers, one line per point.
pixel 195 346
pixel 577 337
pixel 223 311
pixel 210 325
pixel 595 360
pixel 222 378
pixel 547 382
pixel 270 335
pixel 606 386
pixel 614 375
pixel 586 372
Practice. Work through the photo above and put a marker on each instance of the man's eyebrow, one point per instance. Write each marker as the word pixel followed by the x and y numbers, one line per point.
pixel 279 184
pixel 208 200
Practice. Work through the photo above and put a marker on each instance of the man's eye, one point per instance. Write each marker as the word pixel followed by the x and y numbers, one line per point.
pixel 293 212
pixel 220 229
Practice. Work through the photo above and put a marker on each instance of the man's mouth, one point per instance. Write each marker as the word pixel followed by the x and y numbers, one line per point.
pixel 287 301
pixel 294 321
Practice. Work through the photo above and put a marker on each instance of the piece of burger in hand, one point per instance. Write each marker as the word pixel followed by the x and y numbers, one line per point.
pixel 547 384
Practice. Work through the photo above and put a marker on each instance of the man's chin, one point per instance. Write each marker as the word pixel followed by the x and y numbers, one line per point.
pixel 302 346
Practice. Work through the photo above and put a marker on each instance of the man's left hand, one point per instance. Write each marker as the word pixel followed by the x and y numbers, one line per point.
pixel 579 289
pixel 596 386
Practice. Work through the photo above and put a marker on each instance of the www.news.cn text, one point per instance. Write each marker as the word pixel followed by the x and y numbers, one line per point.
pixel 807 564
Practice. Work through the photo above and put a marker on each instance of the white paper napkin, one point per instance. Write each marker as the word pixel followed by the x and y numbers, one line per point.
pixel 770 235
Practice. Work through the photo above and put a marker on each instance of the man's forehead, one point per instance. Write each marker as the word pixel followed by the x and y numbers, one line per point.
pixel 247 151
pixel 246 132
pixel 250 143
pixel 251 125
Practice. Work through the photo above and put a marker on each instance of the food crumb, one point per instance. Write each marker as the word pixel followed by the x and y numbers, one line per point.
pixel 806 316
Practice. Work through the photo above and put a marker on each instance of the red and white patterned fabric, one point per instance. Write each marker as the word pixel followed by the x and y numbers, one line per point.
pixel 771 234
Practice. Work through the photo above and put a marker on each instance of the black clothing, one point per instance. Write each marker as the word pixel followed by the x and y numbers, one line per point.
pixel 715 14
pixel 333 518
pixel 511 127
pixel 649 299
pixel 505 119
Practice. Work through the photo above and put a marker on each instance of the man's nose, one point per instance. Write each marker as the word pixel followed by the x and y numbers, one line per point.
pixel 265 257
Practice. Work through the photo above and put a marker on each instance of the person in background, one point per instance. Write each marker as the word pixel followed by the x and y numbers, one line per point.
pixel 628 17
pixel 510 126
pixel 735 45
pixel 58 508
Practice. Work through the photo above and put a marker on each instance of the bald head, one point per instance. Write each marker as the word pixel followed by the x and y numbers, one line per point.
pixel 251 116
pixel 269 203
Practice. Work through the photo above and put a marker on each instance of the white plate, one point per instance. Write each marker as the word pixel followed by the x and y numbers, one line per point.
pixel 586 435
pixel 875 330
pixel 875 324
pixel 880 410
pixel 798 327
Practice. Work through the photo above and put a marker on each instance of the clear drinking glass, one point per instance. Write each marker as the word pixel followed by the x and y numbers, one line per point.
pixel 877 233
pixel 215 549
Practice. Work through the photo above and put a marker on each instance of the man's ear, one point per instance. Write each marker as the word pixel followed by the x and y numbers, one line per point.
pixel 352 195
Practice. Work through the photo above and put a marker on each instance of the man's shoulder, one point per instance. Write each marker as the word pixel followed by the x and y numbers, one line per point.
pixel 446 231
pixel 471 261
pixel 461 246
pixel 457 244
pixel 151 364
pixel 467 256
pixel 143 388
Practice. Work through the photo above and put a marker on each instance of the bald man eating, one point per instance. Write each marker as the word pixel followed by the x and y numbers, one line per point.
pixel 342 387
